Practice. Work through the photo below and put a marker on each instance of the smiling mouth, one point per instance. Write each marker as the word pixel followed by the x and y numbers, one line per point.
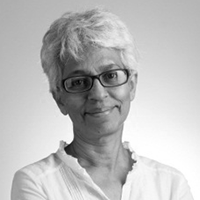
pixel 99 112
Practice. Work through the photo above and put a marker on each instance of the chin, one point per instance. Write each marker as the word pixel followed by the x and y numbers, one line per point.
pixel 106 128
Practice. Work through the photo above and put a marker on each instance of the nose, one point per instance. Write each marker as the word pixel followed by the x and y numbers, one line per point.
pixel 98 92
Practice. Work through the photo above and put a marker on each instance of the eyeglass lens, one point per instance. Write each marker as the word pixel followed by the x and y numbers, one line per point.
pixel 109 78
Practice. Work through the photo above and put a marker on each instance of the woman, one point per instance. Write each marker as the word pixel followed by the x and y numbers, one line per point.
pixel 90 61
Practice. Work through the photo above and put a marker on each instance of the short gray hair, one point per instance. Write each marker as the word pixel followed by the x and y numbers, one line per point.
pixel 73 32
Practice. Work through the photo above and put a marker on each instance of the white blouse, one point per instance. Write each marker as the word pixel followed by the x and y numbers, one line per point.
pixel 60 177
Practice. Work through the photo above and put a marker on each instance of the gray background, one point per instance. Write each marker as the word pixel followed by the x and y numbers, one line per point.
pixel 164 119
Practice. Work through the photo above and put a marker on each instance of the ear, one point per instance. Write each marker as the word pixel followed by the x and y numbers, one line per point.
pixel 133 84
pixel 58 99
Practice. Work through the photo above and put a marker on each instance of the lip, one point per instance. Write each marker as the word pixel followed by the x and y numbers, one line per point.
pixel 98 112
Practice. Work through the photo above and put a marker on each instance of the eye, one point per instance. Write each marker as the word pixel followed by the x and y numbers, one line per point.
pixel 77 83
pixel 114 77
pixel 111 75
pixel 110 78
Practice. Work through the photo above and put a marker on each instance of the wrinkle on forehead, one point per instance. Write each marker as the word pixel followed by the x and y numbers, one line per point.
pixel 101 56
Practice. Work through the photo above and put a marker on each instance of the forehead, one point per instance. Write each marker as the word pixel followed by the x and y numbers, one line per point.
pixel 95 61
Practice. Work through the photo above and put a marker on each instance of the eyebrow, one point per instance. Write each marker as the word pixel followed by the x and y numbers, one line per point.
pixel 86 72
pixel 76 72
pixel 109 66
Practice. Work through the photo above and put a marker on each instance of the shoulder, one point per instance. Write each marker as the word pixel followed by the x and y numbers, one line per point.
pixel 154 165
pixel 28 182
pixel 40 168
pixel 159 170
pixel 165 180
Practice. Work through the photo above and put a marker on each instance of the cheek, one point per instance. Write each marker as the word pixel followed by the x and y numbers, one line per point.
pixel 74 105
pixel 122 95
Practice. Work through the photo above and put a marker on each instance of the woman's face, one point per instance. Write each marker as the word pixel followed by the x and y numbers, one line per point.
pixel 100 110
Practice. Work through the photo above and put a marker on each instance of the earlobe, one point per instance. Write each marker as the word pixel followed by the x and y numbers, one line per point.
pixel 59 102
pixel 133 84
pixel 62 108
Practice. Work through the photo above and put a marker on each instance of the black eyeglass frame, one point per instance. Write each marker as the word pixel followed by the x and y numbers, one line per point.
pixel 127 72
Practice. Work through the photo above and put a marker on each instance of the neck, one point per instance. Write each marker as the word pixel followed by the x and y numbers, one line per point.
pixel 103 152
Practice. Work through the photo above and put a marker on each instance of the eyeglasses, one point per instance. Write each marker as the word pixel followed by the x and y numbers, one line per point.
pixel 111 78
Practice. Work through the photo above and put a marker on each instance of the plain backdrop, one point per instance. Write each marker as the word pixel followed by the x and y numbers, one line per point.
pixel 164 121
